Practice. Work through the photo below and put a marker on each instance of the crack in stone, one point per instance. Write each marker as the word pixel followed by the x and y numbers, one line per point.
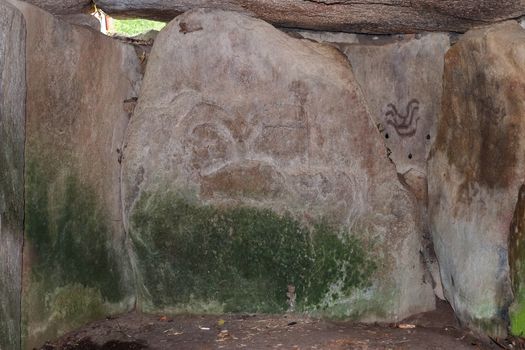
pixel 342 2
pixel 409 5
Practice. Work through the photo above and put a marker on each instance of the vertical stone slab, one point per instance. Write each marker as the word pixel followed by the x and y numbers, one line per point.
pixel 402 84
pixel 75 258
pixel 401 78
pixel 476 170
pixel 252 164
pixel 12 119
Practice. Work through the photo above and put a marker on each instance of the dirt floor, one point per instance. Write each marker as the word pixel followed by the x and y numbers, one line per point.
pixel 433 330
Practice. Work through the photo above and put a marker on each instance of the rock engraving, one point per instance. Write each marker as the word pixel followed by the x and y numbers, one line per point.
pixel 405 125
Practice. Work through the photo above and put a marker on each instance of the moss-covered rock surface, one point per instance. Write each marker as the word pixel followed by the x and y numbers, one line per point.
pixel 517 266
pixel 12 122
pixel 75 263
pixel 203 258
pixel 240 178
pixel 74 273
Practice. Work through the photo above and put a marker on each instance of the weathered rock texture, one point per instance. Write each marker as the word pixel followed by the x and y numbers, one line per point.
pixel 75 262
pixel 368 16
pixel 326 37
pixel 82 20
pixel 63 7
pixel 246 169
pixel 12 118
pixel 476 170
pixel 402 84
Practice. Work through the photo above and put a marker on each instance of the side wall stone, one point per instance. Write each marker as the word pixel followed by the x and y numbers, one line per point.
pixel 12 120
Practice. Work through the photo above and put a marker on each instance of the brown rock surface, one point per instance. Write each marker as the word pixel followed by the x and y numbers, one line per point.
pixel 402 83
pixel 236 114
pixel 401 77
pixel 63 7
pixel 12 118
pixel 75 260
pixel 82 19
pixel 365 16
pixel 476 170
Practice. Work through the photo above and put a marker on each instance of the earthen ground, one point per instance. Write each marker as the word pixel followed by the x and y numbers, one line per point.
pixel 433 330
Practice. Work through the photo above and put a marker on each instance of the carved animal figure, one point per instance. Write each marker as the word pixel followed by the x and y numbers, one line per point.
pixel 405 125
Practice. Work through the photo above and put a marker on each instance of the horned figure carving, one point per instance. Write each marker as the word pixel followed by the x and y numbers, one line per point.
pixel 405 125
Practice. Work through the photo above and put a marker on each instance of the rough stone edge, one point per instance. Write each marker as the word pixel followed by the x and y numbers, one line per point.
pixel 14 340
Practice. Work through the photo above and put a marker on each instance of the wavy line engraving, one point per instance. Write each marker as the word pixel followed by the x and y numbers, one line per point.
pixel 405 125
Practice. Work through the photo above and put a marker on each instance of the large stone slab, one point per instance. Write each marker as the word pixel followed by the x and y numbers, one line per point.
pixel 364 16
pixel 253 174
pixel 75 257
pixel 476 170
pixel 402 82
pixel 82 19
pixel 63 7
pixel 12 119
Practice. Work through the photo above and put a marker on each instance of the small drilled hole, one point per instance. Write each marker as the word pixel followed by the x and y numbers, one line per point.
pixel 428 137
pixel 410 156
pixel 386 136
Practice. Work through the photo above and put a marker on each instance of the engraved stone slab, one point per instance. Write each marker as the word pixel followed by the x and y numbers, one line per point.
pixel 402 83
pixel 239 125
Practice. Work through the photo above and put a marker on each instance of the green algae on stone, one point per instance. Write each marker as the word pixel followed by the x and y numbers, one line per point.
pixel 493 325
pixel 69 235
pixel 74 274
pixel 12 139
pixel 517 266
pixel 55 312
pixel 11 231
pixel 368 303
pixel 74 300
pixel 517 315
pixel 241 259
